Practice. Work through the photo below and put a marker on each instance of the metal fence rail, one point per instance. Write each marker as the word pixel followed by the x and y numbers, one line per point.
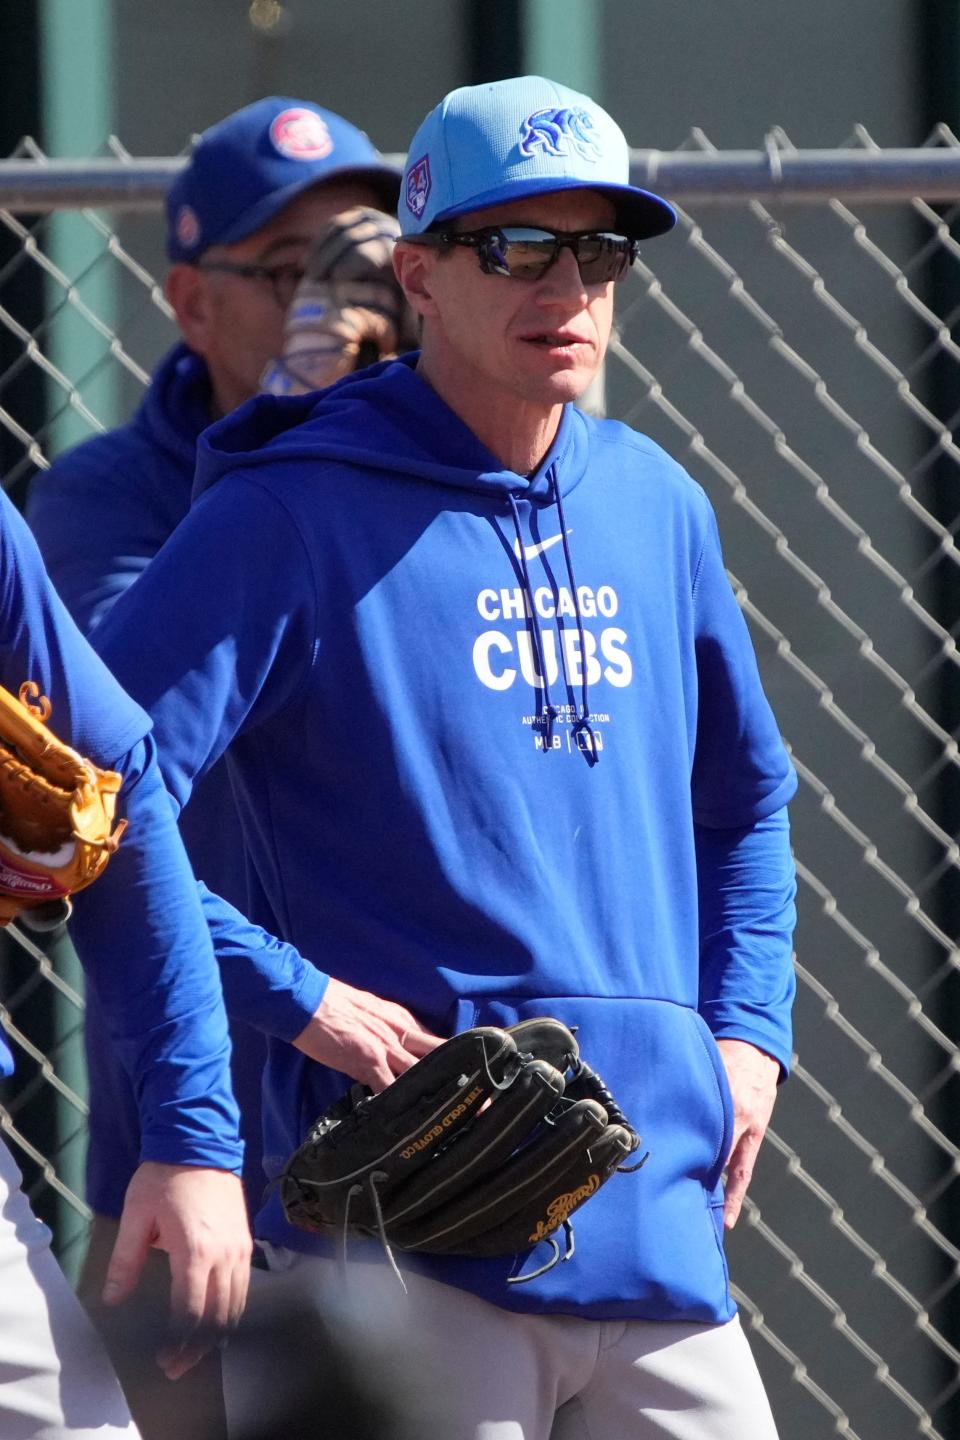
pixel 793 346
pixel 701 175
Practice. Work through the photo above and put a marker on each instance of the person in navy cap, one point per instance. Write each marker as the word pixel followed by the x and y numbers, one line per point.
pixel 503 750
pixel 240 218
pixel 257 188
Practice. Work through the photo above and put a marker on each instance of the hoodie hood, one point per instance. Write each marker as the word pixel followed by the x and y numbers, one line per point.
pixel 176 407
pixel 388 418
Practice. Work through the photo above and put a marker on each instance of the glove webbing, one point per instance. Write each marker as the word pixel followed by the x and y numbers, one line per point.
pixel 587 1083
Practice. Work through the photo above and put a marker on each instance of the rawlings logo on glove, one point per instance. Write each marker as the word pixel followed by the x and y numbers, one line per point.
pixel 485 1147
pixel 56 810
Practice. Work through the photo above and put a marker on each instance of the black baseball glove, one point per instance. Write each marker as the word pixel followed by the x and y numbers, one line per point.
pixel 485 1147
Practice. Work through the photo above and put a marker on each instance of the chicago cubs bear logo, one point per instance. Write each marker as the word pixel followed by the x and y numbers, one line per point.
pixel 418 186
pixel 300 135
pixel 557 131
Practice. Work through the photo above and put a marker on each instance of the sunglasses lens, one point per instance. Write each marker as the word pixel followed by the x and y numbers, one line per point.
pixel 526 254
pixel 602 257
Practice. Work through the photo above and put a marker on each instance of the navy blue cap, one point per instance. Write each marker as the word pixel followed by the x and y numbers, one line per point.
pixel 487 144
pixel 246 168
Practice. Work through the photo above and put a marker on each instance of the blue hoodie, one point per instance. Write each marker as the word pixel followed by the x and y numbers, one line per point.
pixel 366 601
pixel 99 516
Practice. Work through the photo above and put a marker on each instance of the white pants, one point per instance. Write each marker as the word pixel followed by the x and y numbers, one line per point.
pixel 470 1371
pixel 55 1379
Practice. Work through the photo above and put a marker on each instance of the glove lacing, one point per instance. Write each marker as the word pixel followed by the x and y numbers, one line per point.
pixel 357 1189
pixel 556 1257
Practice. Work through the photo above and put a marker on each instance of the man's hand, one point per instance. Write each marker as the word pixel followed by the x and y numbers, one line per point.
pixel 753 1077
pixel 369 1039
pixel 198 1216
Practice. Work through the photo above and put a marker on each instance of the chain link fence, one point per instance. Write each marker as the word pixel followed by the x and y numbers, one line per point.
pixel 792 344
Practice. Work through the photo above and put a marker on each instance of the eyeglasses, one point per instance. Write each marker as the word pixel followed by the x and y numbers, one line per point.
pixel 523 252
pixel 283 279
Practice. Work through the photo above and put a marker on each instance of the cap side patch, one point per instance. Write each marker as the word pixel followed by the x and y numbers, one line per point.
pixel 187 227
pixel 418 186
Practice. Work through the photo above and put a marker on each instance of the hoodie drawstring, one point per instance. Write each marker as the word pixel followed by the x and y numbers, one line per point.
pixel 550 711
pixel 582 723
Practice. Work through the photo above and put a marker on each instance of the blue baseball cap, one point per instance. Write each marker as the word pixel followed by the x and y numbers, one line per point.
pixel 486 144
pixel 246 168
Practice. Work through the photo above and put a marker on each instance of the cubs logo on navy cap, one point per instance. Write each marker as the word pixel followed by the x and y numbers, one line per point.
pixel 487 144
pixel 246 168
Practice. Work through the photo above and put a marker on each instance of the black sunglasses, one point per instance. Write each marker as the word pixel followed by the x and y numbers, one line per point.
pixel 283 279
pixel 525 252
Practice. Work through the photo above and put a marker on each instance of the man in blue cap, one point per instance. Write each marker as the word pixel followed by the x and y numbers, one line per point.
pixel 503 752
pixel 241 216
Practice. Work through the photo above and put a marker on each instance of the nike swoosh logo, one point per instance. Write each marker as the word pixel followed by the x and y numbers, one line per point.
pixel 530 552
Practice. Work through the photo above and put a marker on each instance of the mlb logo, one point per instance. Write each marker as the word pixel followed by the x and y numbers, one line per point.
pixel 300 135
pixel 418 186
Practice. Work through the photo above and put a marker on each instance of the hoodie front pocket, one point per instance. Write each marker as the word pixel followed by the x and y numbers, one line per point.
pixel 648 1244
pixel 659 1060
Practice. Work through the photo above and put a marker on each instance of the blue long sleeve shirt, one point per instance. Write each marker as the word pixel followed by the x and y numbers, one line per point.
pixel 139 930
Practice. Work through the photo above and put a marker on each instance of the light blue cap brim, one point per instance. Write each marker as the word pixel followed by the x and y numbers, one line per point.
pixel 640 214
